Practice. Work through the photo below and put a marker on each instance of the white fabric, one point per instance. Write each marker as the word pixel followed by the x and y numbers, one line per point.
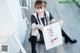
pixel 52 35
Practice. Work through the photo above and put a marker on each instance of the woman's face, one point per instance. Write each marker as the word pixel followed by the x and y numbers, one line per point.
pixel 40 9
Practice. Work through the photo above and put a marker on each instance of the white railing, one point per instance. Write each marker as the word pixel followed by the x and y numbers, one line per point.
pixel 26 2
pixel 5 37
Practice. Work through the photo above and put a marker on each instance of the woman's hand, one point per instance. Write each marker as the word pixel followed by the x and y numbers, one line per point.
pixel 41 27
pixel 61 22
pixel 54 21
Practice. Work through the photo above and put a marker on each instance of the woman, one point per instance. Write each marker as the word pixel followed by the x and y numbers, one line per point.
pixel 39 18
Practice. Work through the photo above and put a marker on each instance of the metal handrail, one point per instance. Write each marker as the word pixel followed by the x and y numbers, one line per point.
pixel 76 3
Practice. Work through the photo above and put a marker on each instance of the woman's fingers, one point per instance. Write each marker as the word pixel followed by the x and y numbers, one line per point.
pixel 41 27
pixel 61 22
pixel 54 21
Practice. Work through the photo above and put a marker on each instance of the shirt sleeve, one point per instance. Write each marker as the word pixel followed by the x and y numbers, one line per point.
pixel 33 19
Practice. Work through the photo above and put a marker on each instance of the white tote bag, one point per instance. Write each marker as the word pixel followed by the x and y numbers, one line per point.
pixel 52 35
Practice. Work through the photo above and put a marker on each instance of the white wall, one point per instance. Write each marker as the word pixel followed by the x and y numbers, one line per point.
pixel 7 24
pixel 11 21
pixel 15 10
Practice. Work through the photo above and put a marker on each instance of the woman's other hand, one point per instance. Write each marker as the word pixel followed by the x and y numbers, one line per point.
pixel 61 22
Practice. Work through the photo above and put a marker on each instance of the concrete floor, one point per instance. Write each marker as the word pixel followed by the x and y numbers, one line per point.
pixel 70 14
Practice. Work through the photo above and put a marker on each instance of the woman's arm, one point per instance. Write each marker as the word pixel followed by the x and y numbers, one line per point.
pixel 52 20
pixel 35 25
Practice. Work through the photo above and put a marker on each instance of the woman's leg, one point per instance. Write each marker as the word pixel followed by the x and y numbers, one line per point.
pixel 67 38
pixel 33 43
